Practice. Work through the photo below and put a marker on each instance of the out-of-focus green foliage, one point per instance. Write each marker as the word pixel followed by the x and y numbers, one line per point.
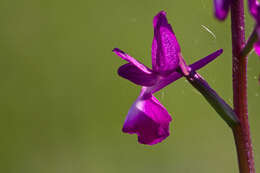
pixel 62 104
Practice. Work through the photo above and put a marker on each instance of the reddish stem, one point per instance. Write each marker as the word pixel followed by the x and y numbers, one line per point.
pixel 241 132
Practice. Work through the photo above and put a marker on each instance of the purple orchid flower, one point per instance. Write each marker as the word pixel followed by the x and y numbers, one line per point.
pixel 147 117
pixel 221 8
pixel 254 9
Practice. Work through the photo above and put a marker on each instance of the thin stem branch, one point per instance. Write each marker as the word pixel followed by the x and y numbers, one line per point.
pixel 249 45
pixel 241 132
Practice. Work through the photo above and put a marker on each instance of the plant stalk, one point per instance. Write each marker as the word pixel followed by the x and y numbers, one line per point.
pixel 241 131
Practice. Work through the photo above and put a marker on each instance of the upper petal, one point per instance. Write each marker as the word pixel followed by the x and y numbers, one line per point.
pixel 137 76
pixel 165 47
pixel 221 8
pixel 148 119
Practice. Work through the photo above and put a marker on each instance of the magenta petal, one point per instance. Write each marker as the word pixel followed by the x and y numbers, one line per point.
pixel 204 61
pixel 148 119
pixel 165 47
pixel 254 7
pixel 257 44
pixel 130 59
pixel 257 48
pixel 221 8
pixel 137 76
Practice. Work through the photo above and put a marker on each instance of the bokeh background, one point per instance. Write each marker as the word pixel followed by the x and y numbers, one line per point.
pixel 62 104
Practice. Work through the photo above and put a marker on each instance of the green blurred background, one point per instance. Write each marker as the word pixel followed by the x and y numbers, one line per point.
pixel 63 105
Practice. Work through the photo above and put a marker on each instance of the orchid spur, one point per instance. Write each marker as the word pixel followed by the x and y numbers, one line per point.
pixel 147 117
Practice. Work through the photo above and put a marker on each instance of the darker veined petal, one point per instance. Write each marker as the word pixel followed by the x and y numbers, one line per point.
pixel 165 47
pixel 148 119
pixel 221 8
pixel 137 76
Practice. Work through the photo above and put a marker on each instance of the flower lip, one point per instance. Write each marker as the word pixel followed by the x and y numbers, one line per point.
pixel 148 119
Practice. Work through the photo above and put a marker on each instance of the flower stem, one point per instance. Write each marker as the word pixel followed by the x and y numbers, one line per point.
pixel 220 106
pixel 241 131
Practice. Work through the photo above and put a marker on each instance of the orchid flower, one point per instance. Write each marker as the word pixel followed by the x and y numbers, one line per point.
pixel 147 117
